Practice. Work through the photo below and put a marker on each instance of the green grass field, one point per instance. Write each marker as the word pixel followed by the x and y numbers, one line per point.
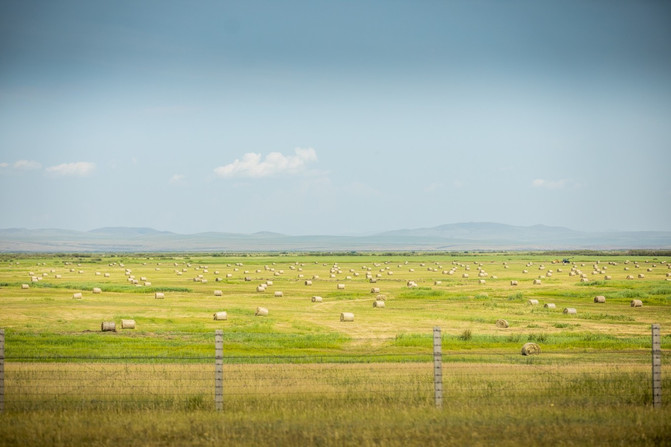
pixel 586 358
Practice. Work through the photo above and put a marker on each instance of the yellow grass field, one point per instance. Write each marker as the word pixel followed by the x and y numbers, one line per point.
pixel 300 376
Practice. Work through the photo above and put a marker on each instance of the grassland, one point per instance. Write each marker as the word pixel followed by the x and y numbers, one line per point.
pixel 588 359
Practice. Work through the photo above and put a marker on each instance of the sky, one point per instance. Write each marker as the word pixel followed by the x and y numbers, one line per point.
pixel 345 117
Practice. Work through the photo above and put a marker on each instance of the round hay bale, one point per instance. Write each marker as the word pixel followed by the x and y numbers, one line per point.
pixel 261 288
pixel 261 312
pixel 482 281
pixel 607 277
pixel 77 295
pixel 220 316
pixel 537 282
pixel 106 275
pixel 372 280
pixel 437 283
pixel 550 306
pixel 379 303
pixel 532 302
pixel 347 316
pixel 159 295
pixel 25 286
pixel 636 303
pixel 502 323
pixel 600 299
pixel 127 324
pixel 465 275
pixel 570 311
pixel 630 277
pixel 218 293
pixel 108 326
pixel 317 299
pixel 531 349
pixel 375 290
pixel 341 286
pixel 269 283
pixel 641 275
pixel 279 294
pixel 513 283
pixel 308 282
pixel 97 290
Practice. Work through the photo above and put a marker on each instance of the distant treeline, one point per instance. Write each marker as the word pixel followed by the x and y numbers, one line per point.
pixel 99 257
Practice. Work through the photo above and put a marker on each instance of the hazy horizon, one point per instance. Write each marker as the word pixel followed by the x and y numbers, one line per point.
pixel 363 234
pixel 334 118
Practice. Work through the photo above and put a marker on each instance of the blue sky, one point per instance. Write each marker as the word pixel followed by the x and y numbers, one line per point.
pixel 315 117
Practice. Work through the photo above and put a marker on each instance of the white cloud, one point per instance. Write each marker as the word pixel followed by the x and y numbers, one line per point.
pixel 26 165
pixel 4 165
pixel 79 169
pixel 251 164
pixel 177 179
pixel 553 184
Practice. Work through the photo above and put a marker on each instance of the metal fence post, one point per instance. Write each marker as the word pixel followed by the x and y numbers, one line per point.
pixel 437 367
pixel 219 370
pixel 2 370
pixel 656 366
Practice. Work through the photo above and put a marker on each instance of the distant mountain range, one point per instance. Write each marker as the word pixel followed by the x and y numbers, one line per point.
pixel 451 237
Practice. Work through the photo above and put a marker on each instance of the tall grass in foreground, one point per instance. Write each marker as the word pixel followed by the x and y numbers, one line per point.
pixel 329 404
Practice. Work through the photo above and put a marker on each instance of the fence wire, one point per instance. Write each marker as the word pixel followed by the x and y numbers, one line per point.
pixel 469 380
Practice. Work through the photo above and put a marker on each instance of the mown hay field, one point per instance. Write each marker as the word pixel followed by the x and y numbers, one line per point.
pixel 45 317
pixel 306 377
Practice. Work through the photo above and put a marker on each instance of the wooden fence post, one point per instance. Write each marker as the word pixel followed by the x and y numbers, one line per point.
pixel 656 366
pixel 219 370
pixel 2 370
pixel 437 367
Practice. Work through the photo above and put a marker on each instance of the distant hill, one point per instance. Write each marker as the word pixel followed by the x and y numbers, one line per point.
pixel 486 231
pixel 127 231
pixel 450 237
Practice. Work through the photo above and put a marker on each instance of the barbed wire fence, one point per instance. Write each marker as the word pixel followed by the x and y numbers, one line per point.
pixel 220 381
